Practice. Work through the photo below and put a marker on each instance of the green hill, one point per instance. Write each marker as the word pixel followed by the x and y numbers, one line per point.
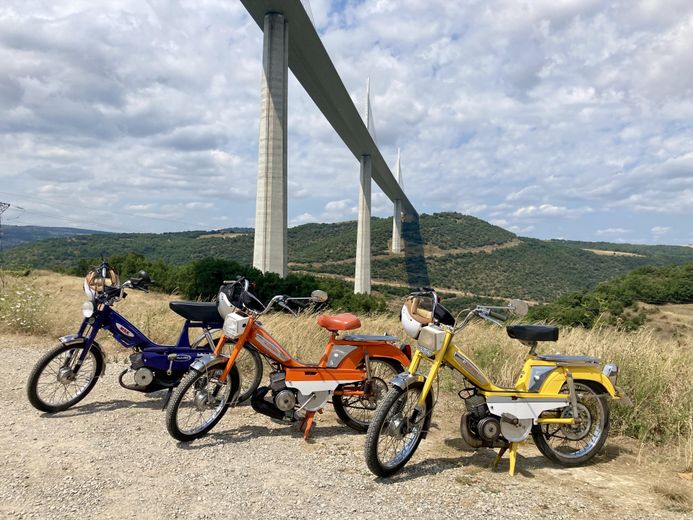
pixel 15 235
pixel 463 254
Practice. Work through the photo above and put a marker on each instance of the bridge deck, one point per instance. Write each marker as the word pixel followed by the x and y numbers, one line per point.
pixel 313 68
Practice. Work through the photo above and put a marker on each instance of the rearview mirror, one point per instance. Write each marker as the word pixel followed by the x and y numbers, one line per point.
pixel 318 296
pixel 519 307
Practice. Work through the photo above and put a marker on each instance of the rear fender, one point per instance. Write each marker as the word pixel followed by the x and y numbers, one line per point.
pixel 80 341
pixel 557 378
pixel 351 356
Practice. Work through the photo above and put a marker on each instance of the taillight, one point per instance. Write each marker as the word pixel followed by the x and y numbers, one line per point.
pixel 406 348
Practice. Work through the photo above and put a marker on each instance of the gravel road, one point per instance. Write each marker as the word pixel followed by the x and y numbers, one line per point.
pixel 111 457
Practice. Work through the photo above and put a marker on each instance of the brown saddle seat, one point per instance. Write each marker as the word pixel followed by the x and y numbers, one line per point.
pixel 337 322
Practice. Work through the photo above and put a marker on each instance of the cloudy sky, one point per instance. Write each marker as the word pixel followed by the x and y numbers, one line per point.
pixel 554 119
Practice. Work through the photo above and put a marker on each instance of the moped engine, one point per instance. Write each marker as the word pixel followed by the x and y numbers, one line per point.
pixel 478 426
pixel 143 377
pixel 283 399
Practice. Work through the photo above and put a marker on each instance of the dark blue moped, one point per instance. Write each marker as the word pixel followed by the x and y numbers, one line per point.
pixel 65 375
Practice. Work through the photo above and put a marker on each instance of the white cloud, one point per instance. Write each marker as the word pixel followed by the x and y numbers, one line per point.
pixel 611 232
pixel 573 117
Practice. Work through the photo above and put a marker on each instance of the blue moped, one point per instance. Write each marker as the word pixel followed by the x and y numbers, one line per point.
pixel 65 375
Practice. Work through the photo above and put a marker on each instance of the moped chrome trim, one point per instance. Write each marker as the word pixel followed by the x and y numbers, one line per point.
pixel 363 337
pixel 538 375
pixel 403 380
pixel 338 353
pixel 203 361
pixel 76 339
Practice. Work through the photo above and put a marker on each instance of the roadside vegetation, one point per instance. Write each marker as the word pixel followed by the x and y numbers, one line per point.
pixel 463 253
pixel 616 302
pixel 656 372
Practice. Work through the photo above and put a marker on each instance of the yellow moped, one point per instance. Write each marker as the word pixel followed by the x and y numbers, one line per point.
pixel 562 401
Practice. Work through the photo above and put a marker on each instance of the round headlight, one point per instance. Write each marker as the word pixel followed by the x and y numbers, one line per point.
pixel 87 309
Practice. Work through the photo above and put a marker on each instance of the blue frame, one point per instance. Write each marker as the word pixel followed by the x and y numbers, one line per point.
pixel 129 336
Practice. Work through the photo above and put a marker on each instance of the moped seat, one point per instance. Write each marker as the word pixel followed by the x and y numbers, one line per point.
pixel 532 332
pixel 197 311
pixel 337 322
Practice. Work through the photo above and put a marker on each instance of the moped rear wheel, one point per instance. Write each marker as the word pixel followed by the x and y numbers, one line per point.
pixel 200 401
pixel 357 411
pixel 396 431
pixel 572 445
pixel 53 384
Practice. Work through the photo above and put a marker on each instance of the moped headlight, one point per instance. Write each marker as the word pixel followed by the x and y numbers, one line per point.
pixel 431 339
pixel 87 309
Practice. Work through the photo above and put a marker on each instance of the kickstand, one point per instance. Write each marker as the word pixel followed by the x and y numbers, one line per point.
pixel 167 399
pixel 512 455
pixel 307 424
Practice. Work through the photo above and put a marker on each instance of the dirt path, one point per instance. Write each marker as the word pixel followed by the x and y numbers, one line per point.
pixel 110 457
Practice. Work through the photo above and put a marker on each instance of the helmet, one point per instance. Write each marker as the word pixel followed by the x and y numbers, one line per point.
pixel 413 318
pixel 99 279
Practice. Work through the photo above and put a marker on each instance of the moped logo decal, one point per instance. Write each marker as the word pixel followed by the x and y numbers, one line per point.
pixel 183 357
pixel 276 350
pixel 471 368
pixel 124 331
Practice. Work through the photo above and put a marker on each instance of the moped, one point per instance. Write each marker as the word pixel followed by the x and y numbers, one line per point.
pixel 66 374
pixel 353 370
pixel 562 401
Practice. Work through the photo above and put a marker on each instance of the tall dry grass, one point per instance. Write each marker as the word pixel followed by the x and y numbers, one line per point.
pixel 656 373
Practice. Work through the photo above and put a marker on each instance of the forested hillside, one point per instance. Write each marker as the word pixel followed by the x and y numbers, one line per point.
pixel 15 235
pixel 462 253
pixel 614 302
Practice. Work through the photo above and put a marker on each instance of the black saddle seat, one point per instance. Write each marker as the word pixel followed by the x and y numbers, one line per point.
pixel 532 332
pixel 197 311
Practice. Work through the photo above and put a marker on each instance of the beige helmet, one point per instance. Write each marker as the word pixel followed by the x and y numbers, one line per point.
pixel 95 282
pixel 413 318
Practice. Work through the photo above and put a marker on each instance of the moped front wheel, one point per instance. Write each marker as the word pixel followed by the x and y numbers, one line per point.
pixel 200 401
pixel 357 411
pixel 572 445
pixel 55 384
pixel 396 431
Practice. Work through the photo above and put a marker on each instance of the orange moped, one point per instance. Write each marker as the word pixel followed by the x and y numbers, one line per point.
pixel 353 371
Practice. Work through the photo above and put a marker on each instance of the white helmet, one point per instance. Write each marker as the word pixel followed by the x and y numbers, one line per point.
pixel 413 318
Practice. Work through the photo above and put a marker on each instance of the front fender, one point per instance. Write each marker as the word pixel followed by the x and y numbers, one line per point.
pixel 403 380
pixel 204 362
pixel 74 340
pixel 557 378
pixel 208 361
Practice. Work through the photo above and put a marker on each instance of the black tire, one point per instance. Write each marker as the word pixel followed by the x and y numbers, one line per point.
pixel 249 362
pixel 194 380
pixel 397 404
pixel 250 369
pixel 590 404
pixel 345 406
pixel 82 383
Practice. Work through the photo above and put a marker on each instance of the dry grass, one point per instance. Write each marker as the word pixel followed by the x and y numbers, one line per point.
pixel 656 372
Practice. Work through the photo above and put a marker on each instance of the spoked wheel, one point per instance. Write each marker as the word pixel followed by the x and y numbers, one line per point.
pixel 396 431
pixel 357 411
pixel 200 401
pixel 249 363
pixel 572 445
pixel 55 384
